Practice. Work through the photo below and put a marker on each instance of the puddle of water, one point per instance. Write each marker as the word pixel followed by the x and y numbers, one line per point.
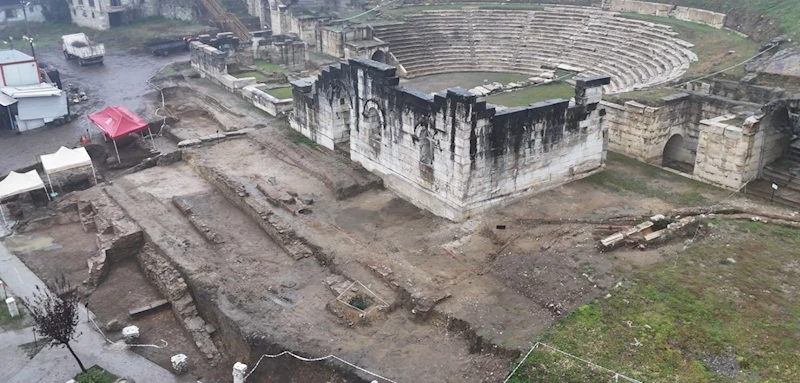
pixel 27 243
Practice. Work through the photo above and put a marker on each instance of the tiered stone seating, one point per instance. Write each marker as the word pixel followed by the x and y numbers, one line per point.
pixel 634 53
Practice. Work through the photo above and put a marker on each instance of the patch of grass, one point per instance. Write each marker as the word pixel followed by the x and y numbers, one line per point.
pixel 646 97
pixel 268 66
pixel 123 37
pixel 95 374
pixel 533 94
pixel 712 46
pixel 281 93
pixel 466 80
pixel 645 180
pixel 297 137
pixel 682 312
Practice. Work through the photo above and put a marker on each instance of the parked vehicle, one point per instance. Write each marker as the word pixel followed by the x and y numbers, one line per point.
pixel 163 47
pixel 78 46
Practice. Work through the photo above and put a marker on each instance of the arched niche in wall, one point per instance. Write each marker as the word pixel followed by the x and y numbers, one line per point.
pixel 374 122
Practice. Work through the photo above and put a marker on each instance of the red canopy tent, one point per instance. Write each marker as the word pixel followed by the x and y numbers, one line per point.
pixel 118 121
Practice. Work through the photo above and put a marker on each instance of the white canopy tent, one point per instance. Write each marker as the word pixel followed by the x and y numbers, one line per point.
pixel 65 159
pixel 18 183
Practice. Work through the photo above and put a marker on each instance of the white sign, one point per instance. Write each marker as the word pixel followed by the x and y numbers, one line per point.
pixel 774 187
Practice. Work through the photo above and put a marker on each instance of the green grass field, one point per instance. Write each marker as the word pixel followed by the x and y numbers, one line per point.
pixel 281 93
pixel 693 318
pixel 95 374
pixel 268 66
pixel 712 46
pixel 533 94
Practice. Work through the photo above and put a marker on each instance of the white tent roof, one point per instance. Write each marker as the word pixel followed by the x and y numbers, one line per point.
pixel 65 159
pixel 18 183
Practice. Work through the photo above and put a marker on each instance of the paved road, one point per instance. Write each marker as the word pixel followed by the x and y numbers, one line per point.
pixel 56 364
pixel 121 80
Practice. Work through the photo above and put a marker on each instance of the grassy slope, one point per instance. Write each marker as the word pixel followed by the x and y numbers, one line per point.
pixel 787 12
pixel 712 46
pixel 687 311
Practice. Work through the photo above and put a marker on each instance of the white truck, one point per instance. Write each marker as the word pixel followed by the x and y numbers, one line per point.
pixel 78 46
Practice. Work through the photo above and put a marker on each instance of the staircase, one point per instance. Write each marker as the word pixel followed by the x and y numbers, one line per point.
pixel 225 20
pixel 786 176
pixel 605 5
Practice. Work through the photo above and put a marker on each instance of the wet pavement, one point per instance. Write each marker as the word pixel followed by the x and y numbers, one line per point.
pixel 121 80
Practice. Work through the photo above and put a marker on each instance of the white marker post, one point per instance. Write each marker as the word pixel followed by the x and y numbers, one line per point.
pixel 13 310
pixel 774 188
pixel 239 370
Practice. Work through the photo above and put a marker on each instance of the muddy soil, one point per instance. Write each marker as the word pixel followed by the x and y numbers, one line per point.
pixel 126 288
pixel 56 250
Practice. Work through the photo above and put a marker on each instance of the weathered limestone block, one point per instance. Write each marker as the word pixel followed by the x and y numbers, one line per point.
pixel 180 363
pixel 239 371
pixel 130 334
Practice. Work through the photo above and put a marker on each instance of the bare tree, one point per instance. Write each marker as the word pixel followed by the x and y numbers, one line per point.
pixel 55 313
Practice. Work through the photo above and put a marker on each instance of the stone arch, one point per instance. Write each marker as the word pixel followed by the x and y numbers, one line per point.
pixel 374 122
pixel 379 56
pixel 677 156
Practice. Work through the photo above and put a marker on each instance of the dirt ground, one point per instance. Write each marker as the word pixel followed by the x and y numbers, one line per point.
pixel 65 249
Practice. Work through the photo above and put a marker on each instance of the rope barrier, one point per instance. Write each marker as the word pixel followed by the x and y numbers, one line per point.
pixel 316 360
pixel 89 315
pixel 616 376
pixel 729 68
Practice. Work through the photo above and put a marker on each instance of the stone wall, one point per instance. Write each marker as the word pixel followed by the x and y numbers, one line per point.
pixel 348 41
pixel 724 150
pixel 452 153
pixel 702 16
pixel 642 131
pixel 265 101
pixel 746 92
pixel 212 64
pixel 291 52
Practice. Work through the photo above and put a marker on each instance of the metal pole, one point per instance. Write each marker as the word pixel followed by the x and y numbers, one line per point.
pixel 151 137
pixel 46 193
pixel 94 174
pixel 25 13
pixel 117 150
pixel 50 182
pixel 4 223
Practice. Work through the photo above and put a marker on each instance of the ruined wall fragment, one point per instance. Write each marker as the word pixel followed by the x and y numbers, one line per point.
pixel 451 153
